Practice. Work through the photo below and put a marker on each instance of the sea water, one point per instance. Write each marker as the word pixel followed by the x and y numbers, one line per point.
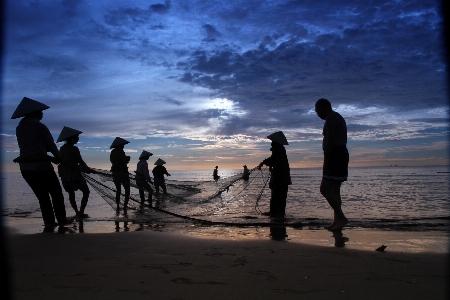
pixel 406 198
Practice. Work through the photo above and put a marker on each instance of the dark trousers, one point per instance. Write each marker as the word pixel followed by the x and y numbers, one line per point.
pixel 278 200
pixel 45 184
pixel 162 185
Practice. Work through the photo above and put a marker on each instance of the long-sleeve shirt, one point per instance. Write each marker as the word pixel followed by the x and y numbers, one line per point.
pixel 119 160
pixel 34 138
pixel 142 170
pixel 158 172
pixel 280 175
pixel 72 164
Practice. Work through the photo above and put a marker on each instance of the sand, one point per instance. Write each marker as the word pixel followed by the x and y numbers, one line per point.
pixel 221 263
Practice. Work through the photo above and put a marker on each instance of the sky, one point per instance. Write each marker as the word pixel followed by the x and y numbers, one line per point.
pixel 203 83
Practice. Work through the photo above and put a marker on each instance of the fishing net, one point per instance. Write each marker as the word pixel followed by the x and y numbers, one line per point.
pixel 229 201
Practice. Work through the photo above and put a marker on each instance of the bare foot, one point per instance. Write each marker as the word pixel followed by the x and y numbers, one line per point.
pixel 328 227
pixel 340 223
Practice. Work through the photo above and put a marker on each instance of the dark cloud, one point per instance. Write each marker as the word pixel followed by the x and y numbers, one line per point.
pixel 161 8
pixel 430 120
pixel 70 7
pixel 211 33
pixel 132 16
pixel 271 59
pixel 171 100
pixel 56 66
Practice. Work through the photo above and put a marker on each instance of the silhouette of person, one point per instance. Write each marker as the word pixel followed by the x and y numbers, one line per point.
pixel 119 170
pixel 35 141
pixel 70 169
pixel 158 173
pixel 143 177
pixel 335 163
pixel 280 177
pixel 246 173
pixel 216 173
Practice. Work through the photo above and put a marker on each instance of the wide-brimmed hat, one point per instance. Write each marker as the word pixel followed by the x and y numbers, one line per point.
pixel 145 154
pixel 278 137
pixel 66 133
pixel 118 141
pixel 159 162
pixel 27 106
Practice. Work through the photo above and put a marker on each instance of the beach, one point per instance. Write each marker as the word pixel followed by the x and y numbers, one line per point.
pixel 148 254
pixel 229 263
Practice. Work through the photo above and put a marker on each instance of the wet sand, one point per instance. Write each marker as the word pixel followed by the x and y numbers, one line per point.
pixel 226 263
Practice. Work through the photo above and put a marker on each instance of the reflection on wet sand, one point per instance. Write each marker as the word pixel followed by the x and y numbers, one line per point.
pixel 125 226
pixel 278 233
pixel 340 239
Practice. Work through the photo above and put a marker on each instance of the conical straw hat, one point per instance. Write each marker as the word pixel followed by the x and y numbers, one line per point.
pixel 27 106
pixel 118 141
pixel 278 137
pixel 159 162
pixel 145 154
pixel 66 133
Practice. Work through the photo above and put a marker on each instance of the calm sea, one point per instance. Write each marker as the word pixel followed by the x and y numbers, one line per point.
pixel 403 198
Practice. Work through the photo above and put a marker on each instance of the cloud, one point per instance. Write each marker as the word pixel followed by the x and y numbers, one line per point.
pixel 209 72
pixel 211 33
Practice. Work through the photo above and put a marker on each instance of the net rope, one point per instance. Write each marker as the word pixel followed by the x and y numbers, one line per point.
pixel 201 202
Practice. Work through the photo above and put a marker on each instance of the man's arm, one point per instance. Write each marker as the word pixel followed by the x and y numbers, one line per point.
pixel 328 147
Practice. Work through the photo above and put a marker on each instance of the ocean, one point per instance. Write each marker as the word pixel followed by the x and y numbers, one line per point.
pixel 388 198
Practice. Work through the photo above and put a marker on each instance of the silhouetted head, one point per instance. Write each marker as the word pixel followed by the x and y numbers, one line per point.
pixel 278 138
pixel 38 115
pixel 30 108
pixel 217 167
pixel 159 162
pixel 323 108
pixel 119 143
pixel 67 133
pixel 145 155
pixel 73 140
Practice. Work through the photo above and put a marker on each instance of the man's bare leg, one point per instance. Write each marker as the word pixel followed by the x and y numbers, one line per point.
pixel 331 225
pixel 72 201
pixel 330 189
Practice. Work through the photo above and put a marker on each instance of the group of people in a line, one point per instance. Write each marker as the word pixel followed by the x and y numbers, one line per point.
pixel 121 176
pixel 35 141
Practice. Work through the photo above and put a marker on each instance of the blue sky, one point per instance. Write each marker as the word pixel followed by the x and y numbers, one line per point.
pixel 202 83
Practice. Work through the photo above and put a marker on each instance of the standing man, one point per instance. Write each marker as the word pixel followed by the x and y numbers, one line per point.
pixel 335 162
pixel 143 178
pixel 158 173
pixel 280 176
pixel 119 170
pixel 71 167
pixel 35 141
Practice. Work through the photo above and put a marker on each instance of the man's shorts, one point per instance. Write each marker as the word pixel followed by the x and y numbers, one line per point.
pixel 143 184
pixel 72 184
pixel 338 164
pixel 122 178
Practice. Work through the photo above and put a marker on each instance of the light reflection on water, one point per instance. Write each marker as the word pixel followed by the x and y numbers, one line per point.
pixel 369 196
